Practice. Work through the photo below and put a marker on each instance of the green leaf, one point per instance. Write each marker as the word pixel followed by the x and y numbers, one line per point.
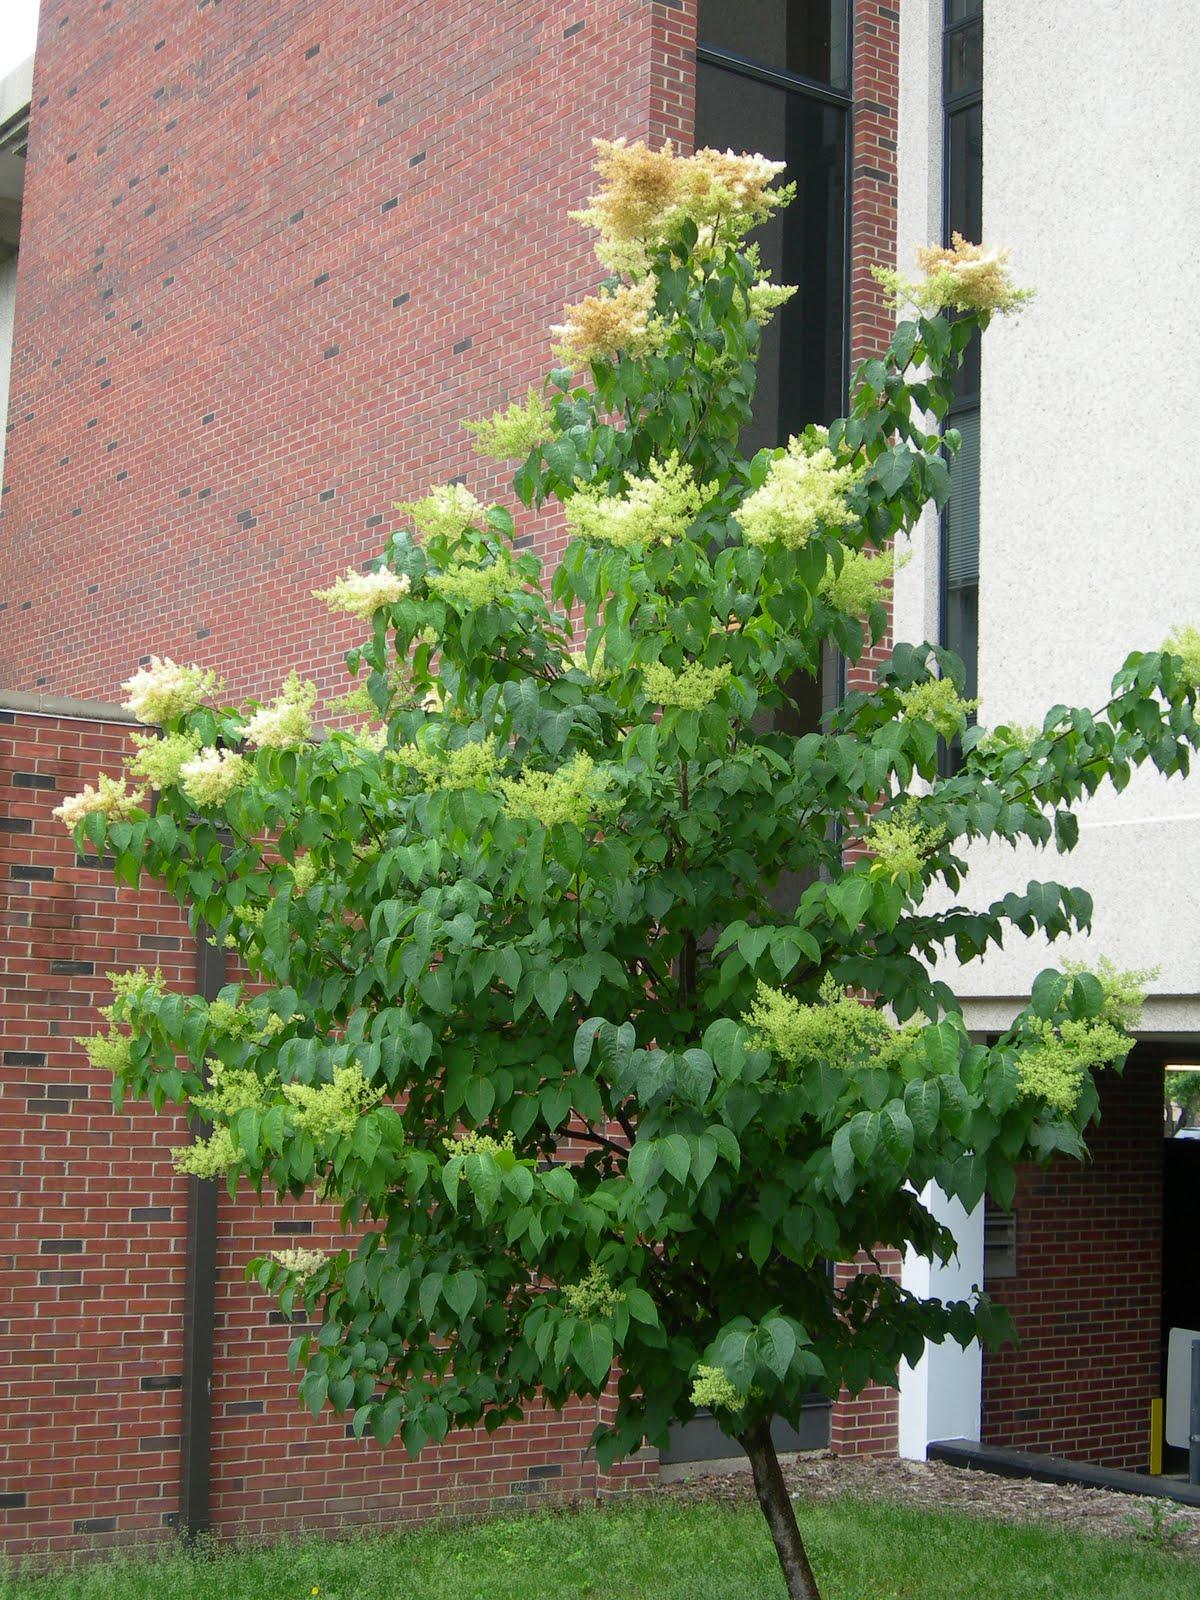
pixel 893 470
pixel 640 1306
pixel 864 1130
pixel 429 1294
pixel 776 1344
pixel 850 899
pixel 897 1132
pixel 480 1098
pixel 923 1102
pixel 561 458
pixel 556 1103
pixel 736 1352
pixel 758 1239
pixel 1047 992
pixel 551 991
pixel 460 1292
pixel 386 1419
pixel 644 1163
pixel 592 1351
pixel 675 1155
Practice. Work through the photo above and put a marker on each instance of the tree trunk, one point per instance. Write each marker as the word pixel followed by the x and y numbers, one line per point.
pixel 777 1508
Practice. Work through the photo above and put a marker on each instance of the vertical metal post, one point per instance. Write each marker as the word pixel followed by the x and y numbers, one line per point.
pixel 199 1308
pixel 1194 1428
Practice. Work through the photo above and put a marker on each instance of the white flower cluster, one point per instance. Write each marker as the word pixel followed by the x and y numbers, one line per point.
pixel 286 724
pixel 802 492
pixel 360 594
pixel 110 797
pixel 164 691
pixel 158 760
pixel 655 509
pixel 300 1262
pixel 211 777
pixel 446 511
pixel 332 1110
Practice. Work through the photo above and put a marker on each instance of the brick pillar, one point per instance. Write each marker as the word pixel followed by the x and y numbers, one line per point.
pixel 868 1423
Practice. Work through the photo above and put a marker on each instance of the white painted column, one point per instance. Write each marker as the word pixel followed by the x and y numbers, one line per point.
pixel 941 1397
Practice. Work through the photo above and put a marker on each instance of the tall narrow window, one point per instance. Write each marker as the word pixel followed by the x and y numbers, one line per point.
pixel 773 76
pixel 962 98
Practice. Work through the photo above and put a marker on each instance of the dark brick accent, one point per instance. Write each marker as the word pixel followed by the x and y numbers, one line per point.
pixel 95 1524
pixel 151 1214
pixel 13 1500
pixel 34 780
pixel 33 874
pixel 244 1408
pixel 73 969
pixel 291 1225
pixel 157 1382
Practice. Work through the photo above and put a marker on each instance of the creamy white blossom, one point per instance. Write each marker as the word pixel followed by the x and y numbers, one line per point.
pixel 110 797
pixel 361 594
pixel 804 490
pixel 164 690
pixel 303 1263
pixel 446 511
pixel 211 777
pixel 286 723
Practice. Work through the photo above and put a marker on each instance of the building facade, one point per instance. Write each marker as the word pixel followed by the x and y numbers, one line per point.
pixel 268 262
pixel 269 259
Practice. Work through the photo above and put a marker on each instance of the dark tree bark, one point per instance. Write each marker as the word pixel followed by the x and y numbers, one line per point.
pixel 777 1508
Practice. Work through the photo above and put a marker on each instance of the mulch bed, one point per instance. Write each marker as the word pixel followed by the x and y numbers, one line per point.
pixel 933 1485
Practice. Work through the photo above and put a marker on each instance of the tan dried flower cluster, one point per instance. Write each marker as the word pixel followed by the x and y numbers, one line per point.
pixel 603 325
pixel 958 277
pixel 646 196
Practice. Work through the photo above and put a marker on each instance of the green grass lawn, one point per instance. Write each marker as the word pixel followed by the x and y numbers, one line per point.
pixel 653 1550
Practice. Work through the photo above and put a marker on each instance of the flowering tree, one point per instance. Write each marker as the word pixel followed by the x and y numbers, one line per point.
pixel 566 981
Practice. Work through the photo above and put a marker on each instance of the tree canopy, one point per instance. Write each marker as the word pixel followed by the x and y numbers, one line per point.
pixel 589 974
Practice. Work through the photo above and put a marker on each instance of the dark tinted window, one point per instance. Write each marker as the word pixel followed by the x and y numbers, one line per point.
pixel 964 60
pixel 800 369
pixel 806 36
pixel 962 94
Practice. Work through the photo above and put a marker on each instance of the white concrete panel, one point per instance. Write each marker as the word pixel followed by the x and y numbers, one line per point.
pixel 941 1397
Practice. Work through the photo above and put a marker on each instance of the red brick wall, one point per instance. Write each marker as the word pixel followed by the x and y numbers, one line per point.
pixel 269 260
pixel 271 256
pixel 868 1423
pixel 1087 1298
pixel 92 1236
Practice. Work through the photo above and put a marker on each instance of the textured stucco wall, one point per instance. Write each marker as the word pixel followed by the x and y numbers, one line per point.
pixel 1088 505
